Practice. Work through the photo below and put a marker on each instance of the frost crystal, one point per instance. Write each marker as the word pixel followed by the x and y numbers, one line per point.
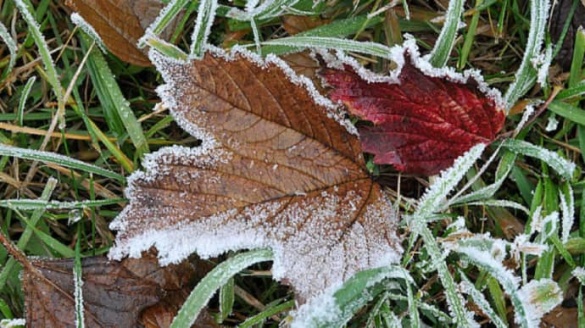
pixel 579 273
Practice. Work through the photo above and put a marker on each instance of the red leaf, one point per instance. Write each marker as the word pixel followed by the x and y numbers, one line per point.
pixel 421 124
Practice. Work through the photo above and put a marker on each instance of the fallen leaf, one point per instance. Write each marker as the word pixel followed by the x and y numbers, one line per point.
pixel 114 293
pixel 120 23
pixel 420 123
pixel 275 169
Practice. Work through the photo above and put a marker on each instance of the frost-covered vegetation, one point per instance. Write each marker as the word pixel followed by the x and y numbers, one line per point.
pixel 496 239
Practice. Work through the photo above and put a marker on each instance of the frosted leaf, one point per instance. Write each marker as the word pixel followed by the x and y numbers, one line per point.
pixel 538 297
pixel 275 169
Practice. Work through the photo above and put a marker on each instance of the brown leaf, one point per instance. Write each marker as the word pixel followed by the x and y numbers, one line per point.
pixel 120 23
pixel 274 170
pixel 114 293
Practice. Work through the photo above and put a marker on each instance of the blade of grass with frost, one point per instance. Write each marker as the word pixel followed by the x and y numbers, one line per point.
pixel 28 231
pixel 205 18
pixel 567 201
pixel 455 300
pixel 480 300
pixel 89 30
pixel 43 48
pixel 500 203
pixel 23 97
pixel 563 167
pixel 165 48
pixel 505 166
pixel 434 198
pixel 525 316
pixel 164 18
pixel 119 115
pixel 446 40
pixel 369 48
pixel 267 10
pixel 78 285
pixel 216 278
pixel 336 306
pixel 58 159
pixel 432 202
pixel 226 299
pixel 526 75
pixel 336 29
pixel 33 204
pixel 12 48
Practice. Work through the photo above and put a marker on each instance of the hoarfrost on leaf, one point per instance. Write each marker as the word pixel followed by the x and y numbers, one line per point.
pixel 276 169
pixel 539 297
pixel 422 117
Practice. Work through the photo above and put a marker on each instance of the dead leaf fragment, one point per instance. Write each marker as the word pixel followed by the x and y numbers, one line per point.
pixel 120 23
pixel 274 170
pixel 422 122
pixel 114 293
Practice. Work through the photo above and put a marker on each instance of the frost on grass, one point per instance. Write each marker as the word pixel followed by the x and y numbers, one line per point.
pixel 275 169
pixel 89 30
pixel 579 273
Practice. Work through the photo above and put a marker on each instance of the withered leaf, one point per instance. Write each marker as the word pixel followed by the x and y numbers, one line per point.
pixel 114 293
pixel 422 121
pixel 275 169
pixel 120 23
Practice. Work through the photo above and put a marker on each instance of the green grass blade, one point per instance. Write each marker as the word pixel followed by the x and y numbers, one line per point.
pixel 43 48
pixel 578 57
pixel 526 74
pixel 564 167
pixel 165 17
pixel 218 277
pixel 578 89
pixel 118 113
pixel 165 48
pixel 259 318
pixel 58 159
pixel 12 48
pixel 336 29
pixel 226 299
pixel 470 36
pixel 28 232
pixel 303 42
pixel 570 112
pixel 446 40
pixel 480 300
pixel 205 18
pixel 346 300
pixel 34 204
pixel 25 93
